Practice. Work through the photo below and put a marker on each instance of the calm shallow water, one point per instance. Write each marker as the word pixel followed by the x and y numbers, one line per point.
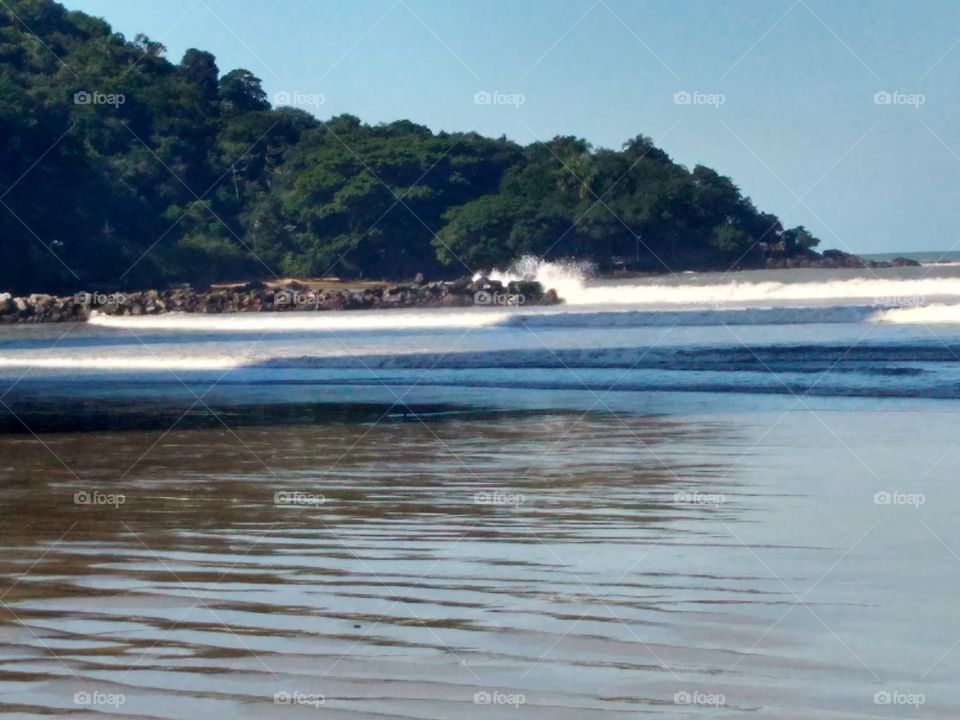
pixel 590 565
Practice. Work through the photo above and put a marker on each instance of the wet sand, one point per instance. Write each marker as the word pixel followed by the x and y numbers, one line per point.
pixel 528 565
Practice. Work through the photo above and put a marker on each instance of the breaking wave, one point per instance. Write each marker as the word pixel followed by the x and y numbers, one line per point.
pixel 921 315
pixel 573 283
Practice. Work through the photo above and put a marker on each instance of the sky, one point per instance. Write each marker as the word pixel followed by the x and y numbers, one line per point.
pixel 838 115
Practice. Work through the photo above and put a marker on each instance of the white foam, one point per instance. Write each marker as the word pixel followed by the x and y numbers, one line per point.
pixel 920 315
pixel 341 321
pixel 126 362
pixel 567 278
pixel 572 284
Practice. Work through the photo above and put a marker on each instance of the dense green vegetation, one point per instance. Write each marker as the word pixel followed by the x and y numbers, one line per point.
pixel 175 172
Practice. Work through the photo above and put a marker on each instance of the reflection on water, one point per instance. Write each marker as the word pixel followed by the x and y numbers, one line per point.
pixel 560 565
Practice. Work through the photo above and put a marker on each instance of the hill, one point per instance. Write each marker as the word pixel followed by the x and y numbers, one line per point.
pixel 121 169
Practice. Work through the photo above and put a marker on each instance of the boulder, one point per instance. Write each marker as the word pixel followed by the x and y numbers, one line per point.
pixel 527 292
pixel 904 262
pixel 550 297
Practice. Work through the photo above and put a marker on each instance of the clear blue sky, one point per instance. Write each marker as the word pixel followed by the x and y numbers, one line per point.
pixel 799 130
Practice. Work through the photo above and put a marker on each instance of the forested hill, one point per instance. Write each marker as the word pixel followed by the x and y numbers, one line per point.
pixel 120 168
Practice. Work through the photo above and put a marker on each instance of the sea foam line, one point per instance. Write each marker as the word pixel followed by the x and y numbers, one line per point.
pixel 937 314
pixel 572 285
pixel 332 321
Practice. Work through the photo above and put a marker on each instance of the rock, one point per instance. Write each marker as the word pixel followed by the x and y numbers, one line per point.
pixel 550 297
pixel 333 300
pixel 459 286
pixel 904 262
pixel 455 300
pixel 291 296
pixel 396 295
pixel 526 292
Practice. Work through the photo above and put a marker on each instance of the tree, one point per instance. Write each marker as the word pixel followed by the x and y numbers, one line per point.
pixel 240 92
pixel 201 72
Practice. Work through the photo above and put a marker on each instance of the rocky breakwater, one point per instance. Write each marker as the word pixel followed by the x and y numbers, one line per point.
pixel 283 297
pixel 833 259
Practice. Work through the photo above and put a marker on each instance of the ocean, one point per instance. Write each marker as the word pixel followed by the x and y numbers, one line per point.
pixel 704 495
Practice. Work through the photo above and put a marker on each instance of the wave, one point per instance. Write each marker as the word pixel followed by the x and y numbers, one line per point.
pixel 114 362
pixel 573 284
pixel 339 321
pixel 692 318
pixel 922 315
pixel 533 318
pixel 545 318
pixel 918 369
pixel 879 291
pixel 868 358
pixel 566 277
